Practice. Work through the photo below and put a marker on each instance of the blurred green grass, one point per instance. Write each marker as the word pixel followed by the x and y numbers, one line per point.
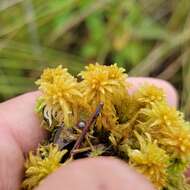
pixel 148 38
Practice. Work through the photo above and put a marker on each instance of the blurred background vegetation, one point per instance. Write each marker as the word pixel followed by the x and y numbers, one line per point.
pixel 147 37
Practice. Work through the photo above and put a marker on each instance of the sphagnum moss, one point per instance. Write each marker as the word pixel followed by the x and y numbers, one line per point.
pixel 96 116
pixel 47 159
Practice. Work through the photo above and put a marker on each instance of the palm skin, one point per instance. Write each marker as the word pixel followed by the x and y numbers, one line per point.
pixel 20 132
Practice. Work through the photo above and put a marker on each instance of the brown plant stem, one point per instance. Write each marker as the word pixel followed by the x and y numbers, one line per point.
pixel 92 119
pixel 80 150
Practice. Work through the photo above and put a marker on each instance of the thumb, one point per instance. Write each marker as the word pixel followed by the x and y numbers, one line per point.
pixel 95 174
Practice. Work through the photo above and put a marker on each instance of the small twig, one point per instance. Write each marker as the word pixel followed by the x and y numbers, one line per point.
pixel 90 144
pixel 80 150
pixel 86 128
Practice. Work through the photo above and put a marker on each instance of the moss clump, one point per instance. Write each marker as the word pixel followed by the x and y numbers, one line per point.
pixel 96 116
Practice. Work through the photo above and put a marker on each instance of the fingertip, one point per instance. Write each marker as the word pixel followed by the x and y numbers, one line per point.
pixel 171 93
pixel 19 117
pixel 96 174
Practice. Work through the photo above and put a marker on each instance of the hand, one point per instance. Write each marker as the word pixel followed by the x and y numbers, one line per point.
pixel 20 132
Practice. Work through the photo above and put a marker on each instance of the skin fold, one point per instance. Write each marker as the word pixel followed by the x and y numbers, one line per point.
pixel 20 132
